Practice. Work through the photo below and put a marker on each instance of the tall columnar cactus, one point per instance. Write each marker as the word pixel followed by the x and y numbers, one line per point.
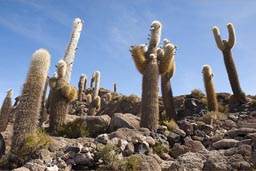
pixel 92 80
pixel 150 66
pixel 225 46
pixel 94 105
pixel 5 110
pixel 115 87
pixel 212 102
pixel 27 112
pixel 61 95
pixel 43 110
pixel 72 47
pixel 81 87
pixel 85 82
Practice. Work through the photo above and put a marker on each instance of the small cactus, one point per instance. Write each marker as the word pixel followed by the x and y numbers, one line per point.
pixel 94 106
pixel 225 46
pixel 150 66
pixel 115 87
pixel 59 98
pixel 72 47
pixel 27 112
pixel 5 110
pixel 212 102
pixel 81 86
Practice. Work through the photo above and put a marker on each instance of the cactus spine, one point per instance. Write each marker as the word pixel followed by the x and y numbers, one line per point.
pixel 81 86
pixel 27 112
pixel 72 47
pixel 5 110
pixel 60 97
pixel 94 106
pixel 226 46
pixel 212 102
pixel 150 66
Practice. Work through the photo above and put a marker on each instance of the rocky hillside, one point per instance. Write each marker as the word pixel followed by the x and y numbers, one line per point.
pixel 113 139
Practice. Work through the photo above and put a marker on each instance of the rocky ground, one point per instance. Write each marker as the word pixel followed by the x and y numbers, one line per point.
pixel 198 141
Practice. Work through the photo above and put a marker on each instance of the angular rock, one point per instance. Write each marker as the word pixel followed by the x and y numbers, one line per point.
pixel 186 126
pixel 127 120
pixel 179 132
pixel 194 146
pixel 225 143
pixel 97 124
pixel 129 150
pixel 147 163
pixel 129 135
pixel 240 132
pixel 173 138
pixel 178 150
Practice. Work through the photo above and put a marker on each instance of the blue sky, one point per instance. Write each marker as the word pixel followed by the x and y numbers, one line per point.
pixel 111 26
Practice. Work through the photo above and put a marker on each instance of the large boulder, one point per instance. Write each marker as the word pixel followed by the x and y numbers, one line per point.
pixel 97 124
pixel 127 120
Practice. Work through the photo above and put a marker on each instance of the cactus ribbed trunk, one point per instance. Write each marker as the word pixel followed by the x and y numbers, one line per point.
pixel 212 102
pixel 43 112
pixel 149 104
pixel 27 112
pixel 72 47
pixel 168 97
pixel 5 113
pixel 232 74
pixel 58 107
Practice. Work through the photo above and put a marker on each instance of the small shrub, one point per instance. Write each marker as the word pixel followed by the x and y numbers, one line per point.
pixel 132 164
pixel 198 93
pixel 132 98
pixel 171 124
pixel 77 128
pixel 158 148
pixel 212 116
pixel 223 108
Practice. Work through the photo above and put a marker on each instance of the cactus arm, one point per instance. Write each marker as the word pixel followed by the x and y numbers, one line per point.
pixel 232 35
pixel 155 35
pixel 217 37
pixel 170 74
pixel 167 61
pixel 139 58
pixel 81 86
pixel 72 47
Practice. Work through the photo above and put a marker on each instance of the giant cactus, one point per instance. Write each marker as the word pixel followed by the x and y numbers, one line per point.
pixel 61 95
pixel 95 102
pixel 72 47
pixel 147 63
pixel 27 112
pixel 225 46
pixel 5 110
pixel 81 86
pixel 212 102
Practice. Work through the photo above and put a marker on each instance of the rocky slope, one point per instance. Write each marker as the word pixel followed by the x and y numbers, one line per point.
pixel 117 143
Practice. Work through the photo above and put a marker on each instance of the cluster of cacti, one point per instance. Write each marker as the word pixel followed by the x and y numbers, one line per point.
pixel 225 46
pixel 81 86
pixel 95 101
pixel 150 66
pixel 212 102
pixel 60 96
pixel 72 47
pixel 27 112
pixel 5 110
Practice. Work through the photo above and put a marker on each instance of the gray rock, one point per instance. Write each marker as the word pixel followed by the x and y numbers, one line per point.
pixel 45 155
pixel 186 126
pixel 189 162
pixel 147 163
pixel 225 143
pixel 97 124
pixel 129 135
pixel 76 148
pixel 178 150
pixel 103 138
pixel 173 138
pixel 84 158
pixel 240 132
pixel 179 132
pixel 193 146
pixel 129 150
pixel 127 120
pixel 35 166
pixel 141 148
